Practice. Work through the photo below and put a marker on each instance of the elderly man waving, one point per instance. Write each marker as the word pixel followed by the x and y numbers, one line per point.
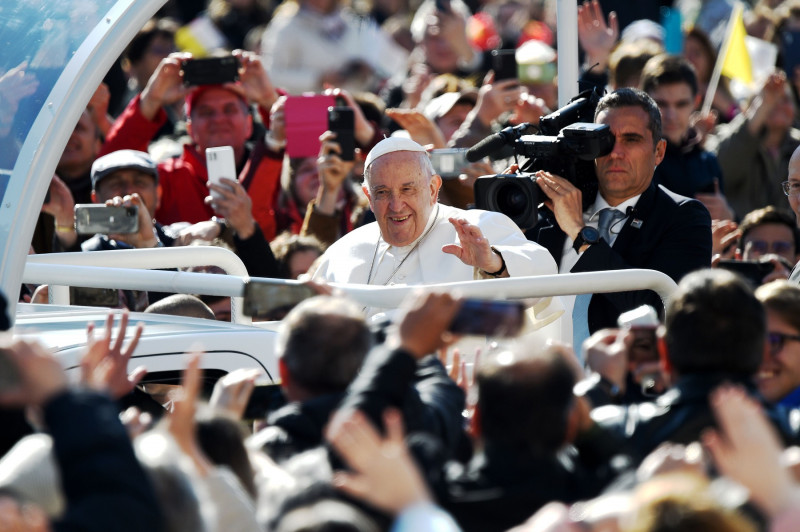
pixel 417 240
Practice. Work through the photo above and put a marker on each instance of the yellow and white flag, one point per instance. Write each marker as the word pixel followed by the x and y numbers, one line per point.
pixel 736 63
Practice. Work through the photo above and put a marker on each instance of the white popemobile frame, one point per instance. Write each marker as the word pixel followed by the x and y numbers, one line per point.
pixel 123 269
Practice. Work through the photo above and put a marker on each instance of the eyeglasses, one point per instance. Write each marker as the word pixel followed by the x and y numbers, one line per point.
pixel 763 247
pixel 791 188
pixel 776 340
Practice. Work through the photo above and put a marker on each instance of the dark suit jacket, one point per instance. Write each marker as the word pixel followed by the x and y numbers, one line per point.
pixel 682 414
pixel 674 238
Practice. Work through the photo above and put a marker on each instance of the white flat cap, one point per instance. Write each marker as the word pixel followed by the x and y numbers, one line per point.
pixel 392 144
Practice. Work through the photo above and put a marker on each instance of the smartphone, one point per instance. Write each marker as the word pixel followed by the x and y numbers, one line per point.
pixel 643 324
pixel 485 317
pixel 265 398
pixel 92 218
pixel 449 162
pixel 504 64
pixel 9 372
pixel 271 300
pixel 210 70
pixel 94 297
pixel 220 163
pixel 341 120
pixel 306 118
pixel 752 270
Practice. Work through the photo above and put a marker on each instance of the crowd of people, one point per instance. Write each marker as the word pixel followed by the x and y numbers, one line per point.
pixel 610 411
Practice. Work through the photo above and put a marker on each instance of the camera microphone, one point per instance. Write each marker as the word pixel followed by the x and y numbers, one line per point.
pixel 495 142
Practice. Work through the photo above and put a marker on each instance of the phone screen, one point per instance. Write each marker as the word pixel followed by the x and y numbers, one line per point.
pixel 341 120
pixel 92 218
pixel 504 64
pixel 94 297
pixel 264 399
pixel 271 300
pixel 484 317
pixel 449 162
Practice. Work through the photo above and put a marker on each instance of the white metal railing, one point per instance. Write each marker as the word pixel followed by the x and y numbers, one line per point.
pixel 142 259
pixel 526 287
pixel 378 296
pixel 177 257
pixel 138 279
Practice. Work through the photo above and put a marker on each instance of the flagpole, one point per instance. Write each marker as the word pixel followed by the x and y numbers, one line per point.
pixel 714 81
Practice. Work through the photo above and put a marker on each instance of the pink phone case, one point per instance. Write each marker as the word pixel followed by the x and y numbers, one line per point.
pixel 306 119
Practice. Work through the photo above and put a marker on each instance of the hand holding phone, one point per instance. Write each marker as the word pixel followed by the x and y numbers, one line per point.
pixel 220 162
pixel 93 218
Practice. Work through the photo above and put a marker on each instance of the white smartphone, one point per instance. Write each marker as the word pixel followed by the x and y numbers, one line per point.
pixel 220 163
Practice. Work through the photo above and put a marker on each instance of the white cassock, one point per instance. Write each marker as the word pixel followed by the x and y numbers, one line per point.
pixel 362 257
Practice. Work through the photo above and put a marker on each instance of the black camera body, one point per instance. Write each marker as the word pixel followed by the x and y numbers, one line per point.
pixel 567 145
pixel 570 155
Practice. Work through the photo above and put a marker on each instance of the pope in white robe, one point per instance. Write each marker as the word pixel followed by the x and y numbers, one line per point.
pixel 418 241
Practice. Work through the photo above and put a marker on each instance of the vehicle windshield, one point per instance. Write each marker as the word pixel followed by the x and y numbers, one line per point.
pixel 39 38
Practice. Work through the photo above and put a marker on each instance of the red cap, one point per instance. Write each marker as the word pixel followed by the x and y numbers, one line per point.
pixel 234 88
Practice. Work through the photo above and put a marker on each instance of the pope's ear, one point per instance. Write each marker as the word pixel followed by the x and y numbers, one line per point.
pixel 436 184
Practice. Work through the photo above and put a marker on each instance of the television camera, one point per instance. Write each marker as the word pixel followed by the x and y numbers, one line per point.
pixel 566 145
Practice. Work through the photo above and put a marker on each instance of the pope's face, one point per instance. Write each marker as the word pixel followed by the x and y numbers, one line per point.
pixel 402 194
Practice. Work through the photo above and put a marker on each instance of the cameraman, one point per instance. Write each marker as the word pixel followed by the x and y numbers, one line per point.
pixel 630 224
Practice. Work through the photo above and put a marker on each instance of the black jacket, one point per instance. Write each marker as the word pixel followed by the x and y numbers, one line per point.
pixel 664 232
pixel 103 482
pixel 431 403
pixel 680 415
pixel 429 399
pixel 688 169
pixel 296 427
pixel 502 487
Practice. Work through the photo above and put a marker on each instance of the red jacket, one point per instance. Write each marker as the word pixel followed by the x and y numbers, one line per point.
pixel 183 180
